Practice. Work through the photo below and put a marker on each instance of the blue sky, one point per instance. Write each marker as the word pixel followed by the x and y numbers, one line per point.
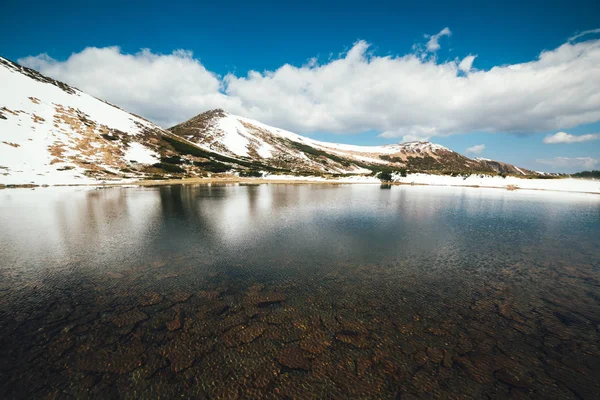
pixel 234 37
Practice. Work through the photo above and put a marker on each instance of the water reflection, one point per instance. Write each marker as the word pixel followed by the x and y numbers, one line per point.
pixel 256 291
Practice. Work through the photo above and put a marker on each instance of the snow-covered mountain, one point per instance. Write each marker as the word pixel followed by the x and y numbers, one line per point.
pixel 52 133
pixel 235 136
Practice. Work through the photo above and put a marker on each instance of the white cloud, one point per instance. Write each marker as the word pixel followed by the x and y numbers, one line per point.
pixel 584 33
pixel 564 137
pixel 477 149
pixel 466 64
pixel 413 138
pixel 433 43
pixel 166 88
pixel 565 162
pixel 401 96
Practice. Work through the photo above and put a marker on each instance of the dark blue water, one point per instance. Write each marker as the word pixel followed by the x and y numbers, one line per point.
pixel 298 291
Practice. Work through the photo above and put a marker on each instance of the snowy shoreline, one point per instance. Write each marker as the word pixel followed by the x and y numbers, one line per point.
pixel 473 181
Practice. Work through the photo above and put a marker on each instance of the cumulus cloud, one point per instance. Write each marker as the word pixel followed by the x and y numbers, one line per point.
pixel 410 138
pixel 564 137
pixel 434 40
pixel 565 162
pixel 405 96
pixel 466 64
pixel 166 88
pixel 477 149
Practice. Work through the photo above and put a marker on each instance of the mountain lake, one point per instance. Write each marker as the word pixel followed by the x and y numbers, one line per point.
pixel 298 291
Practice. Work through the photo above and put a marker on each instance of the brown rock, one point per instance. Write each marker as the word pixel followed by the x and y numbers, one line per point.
pixel 150 299
pixel 358 341
pixel 479 367
pixel 229 392
pixel 267 374
pixel 447 362
pixel 293 357
pixel 129 318
pixel 362 365
pixel 251 332
pixel 436 355
pixel 264 300
pixel 330 322
pixel 316 342
pixel 121 360
pixel 421 357
pixel 181 297
pixel 351 326
pixel 464 344
pixel 513 378
pixel 257 287
pixel 209 294
pixel 275 318
pixel 176 323
pixel 423 380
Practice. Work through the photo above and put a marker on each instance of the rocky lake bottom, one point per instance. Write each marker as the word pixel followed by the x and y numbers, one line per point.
pixel 299 291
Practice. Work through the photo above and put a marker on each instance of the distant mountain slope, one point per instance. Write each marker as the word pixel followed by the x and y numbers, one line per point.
pixel 236 136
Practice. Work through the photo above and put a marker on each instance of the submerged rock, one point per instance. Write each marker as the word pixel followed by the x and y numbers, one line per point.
pixel 176 323
pixel 293 357
pixel 129 318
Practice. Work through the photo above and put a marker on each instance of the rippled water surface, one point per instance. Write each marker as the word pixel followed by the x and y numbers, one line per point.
pixel 299 291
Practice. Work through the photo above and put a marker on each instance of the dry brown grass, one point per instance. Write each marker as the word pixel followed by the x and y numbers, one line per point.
pixel 92 149
pixel 16 113
pixel 37 119
pixel 12 144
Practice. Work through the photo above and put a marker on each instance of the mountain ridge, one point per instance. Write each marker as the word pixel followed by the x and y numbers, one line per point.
pixel 54 133
pixel 219 131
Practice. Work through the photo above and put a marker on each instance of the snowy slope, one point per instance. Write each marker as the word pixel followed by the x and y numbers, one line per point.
pixel 51 133
pixel 237 136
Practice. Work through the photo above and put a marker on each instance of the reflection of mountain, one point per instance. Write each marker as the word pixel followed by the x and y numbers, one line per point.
pixel 304 221
pixel 274 226
pixel 82 224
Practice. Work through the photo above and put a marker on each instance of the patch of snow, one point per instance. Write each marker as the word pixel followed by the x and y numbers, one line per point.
pixel 345 179
pixel 564 184
pixel 139 153
pixel 344 148
pixel 234 135
pixel 357 171
pixel 265 150
pixel 518 169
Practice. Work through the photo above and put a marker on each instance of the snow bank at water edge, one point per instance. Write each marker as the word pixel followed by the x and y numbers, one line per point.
pixel 345 179
pixel 510 182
